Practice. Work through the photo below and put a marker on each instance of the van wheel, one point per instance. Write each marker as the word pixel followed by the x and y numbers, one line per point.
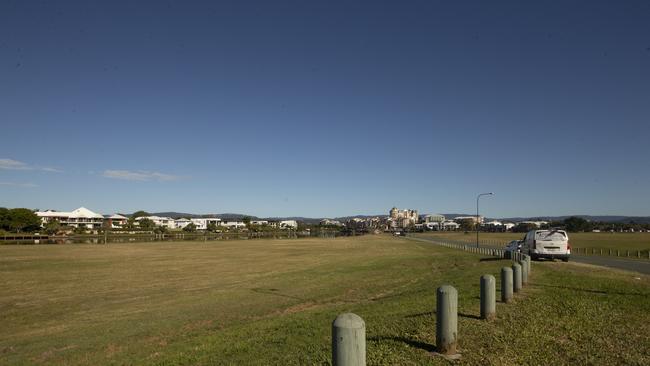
pixel 565 259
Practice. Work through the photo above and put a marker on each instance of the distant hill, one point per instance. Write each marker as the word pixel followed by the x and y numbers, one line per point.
pixel 315 220
pixel 592 218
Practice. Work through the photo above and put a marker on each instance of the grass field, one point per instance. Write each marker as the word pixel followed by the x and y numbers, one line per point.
pixel 622 241
pixel 272 302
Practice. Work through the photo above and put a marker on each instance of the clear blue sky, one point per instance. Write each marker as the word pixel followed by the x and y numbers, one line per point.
pixel 315 108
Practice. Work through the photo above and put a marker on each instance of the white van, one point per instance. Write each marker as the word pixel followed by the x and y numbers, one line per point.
pixel 549 244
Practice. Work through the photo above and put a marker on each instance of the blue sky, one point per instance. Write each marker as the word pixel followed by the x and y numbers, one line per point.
pixel 326 108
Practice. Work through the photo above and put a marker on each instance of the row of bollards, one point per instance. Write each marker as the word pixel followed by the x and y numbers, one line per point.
pixel 349 330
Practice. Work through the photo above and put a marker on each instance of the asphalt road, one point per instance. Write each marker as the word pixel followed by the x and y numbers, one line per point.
pixel 641 265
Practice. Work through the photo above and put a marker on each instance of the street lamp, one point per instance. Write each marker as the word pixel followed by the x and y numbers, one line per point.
pixel 477 216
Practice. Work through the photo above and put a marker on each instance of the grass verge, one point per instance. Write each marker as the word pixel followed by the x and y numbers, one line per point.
pixel 272 302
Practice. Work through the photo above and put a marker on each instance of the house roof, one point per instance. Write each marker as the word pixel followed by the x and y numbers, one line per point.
pixel 81 212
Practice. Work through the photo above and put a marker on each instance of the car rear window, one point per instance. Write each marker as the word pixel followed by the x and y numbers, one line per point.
pixel 551 235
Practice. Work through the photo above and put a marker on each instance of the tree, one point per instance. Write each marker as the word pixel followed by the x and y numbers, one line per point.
pixel 146 224
pixel 190 228
pixel 52 227
pixel 23 219
pixel 140 213
pixel 130 223
pixel 524 227
pixel 81 229
pixel 575 224
pixel 160 229
pixel 212 226
pixel 4 218
pixel 466 224
pixel 246 220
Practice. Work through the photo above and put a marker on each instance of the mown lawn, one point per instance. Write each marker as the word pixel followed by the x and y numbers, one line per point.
pixel 272 302
pixel 621 241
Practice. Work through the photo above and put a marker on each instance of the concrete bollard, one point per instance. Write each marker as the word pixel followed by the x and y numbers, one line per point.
pixel 524 272
pixel 447 320
pixel 528 263
pixel 348 340
pixel 506 284
pixel 516 277
pixel 488 297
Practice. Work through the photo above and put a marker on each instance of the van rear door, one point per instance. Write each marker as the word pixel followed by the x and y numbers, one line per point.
pixel 551 242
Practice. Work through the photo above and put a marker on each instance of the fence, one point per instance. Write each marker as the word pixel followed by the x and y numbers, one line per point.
pixel 349 330
pixel 112 237
pixel 626 253
pixel 489 243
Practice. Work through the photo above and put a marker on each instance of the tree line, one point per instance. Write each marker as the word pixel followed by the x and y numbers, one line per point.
pixel 18 220
pixel 576 224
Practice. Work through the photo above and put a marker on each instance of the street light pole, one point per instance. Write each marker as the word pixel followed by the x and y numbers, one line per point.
pixel 477 216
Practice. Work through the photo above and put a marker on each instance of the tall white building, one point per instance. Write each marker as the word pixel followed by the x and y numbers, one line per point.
pixel 403 218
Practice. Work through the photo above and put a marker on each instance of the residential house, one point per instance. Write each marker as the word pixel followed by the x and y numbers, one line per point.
pixel 81 217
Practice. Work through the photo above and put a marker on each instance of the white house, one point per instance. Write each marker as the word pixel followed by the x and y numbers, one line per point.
pixel 235 224
pixel 493 223
pixel 167 222
pixel 450 225
pixel 116 221
pixel 290 224
pixel 202 223
pixel 181 223
pixel 474 219
pixel 435 218
pixel 330 222
pixel 81 217
pixel 432 225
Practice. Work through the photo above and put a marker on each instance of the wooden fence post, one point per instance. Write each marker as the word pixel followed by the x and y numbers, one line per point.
pixel 506 284
pixel 488 297
pixel 348 340
pixel 516 277
pixel 447 320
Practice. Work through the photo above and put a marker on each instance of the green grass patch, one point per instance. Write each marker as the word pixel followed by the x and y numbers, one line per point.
pixel 273 301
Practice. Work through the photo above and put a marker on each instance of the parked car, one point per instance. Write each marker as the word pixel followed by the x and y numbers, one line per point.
pixel 549 244
pixel 513 247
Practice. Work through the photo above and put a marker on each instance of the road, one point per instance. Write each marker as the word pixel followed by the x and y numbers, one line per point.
pixel 641 266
